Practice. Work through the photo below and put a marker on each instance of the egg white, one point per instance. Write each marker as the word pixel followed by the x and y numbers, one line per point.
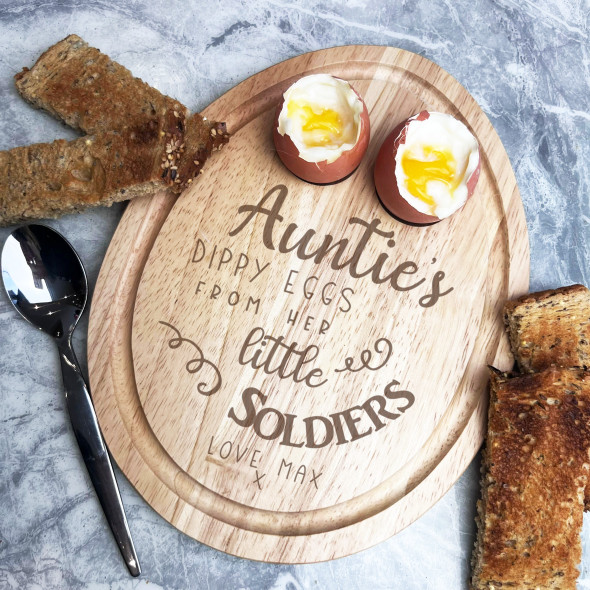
pixel 439 130
pixel 322 91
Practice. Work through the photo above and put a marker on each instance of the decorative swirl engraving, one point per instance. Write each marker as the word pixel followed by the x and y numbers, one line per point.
pixel 381 346
pixel 197 363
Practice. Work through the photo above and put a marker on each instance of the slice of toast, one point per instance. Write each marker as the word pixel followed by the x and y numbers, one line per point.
pixel 140 140
pixel 550 328
pixel 535 467
pixel 50 179
pixel 87 90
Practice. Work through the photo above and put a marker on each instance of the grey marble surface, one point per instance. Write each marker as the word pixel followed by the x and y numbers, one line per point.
pixel 527 63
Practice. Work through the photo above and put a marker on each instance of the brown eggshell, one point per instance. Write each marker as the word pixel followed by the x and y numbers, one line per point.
pixel 322 172
pixel 386 181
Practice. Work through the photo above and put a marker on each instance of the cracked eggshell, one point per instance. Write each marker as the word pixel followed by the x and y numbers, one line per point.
pixel 322 172
pixel 386 181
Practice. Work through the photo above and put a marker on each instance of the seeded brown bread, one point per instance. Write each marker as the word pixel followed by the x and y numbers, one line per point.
pixel 47 180
pixel 535 468
pixel 550 328
pixel 87 90
pixel 157 142
pixel 50 179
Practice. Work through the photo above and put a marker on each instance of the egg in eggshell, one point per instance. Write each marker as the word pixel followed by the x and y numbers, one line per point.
pixel 321 129
pixel 427 168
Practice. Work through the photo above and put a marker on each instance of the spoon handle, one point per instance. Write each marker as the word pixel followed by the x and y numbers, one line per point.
pixel 95 454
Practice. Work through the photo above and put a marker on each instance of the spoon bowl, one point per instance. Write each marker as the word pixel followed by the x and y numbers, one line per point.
pixel 44 279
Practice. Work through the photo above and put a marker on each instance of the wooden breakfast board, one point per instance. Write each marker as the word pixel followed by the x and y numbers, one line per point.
pixel 284 371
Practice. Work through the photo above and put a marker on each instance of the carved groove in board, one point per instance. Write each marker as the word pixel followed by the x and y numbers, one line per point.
pixel 364 506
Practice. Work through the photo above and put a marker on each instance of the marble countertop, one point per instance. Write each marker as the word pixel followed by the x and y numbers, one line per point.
pixel 526 63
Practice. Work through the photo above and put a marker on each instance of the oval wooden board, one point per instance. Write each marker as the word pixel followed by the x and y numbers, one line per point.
pixel 196 307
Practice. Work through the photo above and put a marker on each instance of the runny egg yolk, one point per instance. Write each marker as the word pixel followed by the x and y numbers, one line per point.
pixel 439 165
pixel 321 127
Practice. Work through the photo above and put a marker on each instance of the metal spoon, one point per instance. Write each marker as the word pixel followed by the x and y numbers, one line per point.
pixel 47 285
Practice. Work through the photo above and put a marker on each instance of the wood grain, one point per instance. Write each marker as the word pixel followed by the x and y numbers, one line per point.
pixel 167 436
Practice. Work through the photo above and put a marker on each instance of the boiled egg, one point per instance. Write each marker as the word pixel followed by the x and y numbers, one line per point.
pixel 427 168
pixel 321 129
